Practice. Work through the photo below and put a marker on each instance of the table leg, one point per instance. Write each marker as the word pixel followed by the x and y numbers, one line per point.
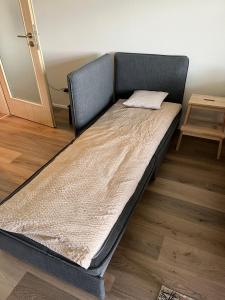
pixel 223 127
pixel 221 141
pixel 179 141
pixel 219 149
pixel 187 116
pixel 186 119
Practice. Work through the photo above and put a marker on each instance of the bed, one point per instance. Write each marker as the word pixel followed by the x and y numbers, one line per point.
pixel 95 90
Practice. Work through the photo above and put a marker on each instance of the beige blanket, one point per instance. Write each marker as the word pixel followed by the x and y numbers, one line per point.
pixel 72 205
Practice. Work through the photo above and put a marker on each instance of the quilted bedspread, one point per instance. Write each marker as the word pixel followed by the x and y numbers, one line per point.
pixel 72 205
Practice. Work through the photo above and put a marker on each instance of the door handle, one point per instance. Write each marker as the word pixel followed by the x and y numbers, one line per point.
pixel 28 35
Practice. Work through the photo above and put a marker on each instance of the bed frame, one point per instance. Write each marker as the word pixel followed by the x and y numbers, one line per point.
pixel 93 89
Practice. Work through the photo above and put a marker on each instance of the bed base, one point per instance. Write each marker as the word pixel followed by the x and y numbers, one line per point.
pixel 91 280
pixel 53 265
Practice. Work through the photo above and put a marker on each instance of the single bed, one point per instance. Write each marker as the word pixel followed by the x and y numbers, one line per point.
pixel 95 90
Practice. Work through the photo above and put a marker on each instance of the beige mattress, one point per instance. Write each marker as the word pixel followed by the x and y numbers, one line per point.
pixel 72 205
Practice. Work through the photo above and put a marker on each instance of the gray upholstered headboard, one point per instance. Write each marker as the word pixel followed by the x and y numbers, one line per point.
pixel 91 91
pixel 153 72
pixel 92 88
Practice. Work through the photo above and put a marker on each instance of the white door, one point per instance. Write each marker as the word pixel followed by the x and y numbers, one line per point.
pixel 22 72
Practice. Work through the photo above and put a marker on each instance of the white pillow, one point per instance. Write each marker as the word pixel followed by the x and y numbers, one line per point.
pixel 146 99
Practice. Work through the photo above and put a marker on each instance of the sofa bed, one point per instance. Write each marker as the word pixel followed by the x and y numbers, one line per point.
pixel 69 217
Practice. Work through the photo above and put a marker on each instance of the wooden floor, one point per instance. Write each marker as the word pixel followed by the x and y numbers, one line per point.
pixel 25 146
pixel 176 236
pixel 2 115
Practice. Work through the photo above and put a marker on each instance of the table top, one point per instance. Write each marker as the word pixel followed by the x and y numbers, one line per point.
pixel 207 101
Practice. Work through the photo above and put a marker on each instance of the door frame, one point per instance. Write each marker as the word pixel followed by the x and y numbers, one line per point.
pixel 3 104
pixel 38 112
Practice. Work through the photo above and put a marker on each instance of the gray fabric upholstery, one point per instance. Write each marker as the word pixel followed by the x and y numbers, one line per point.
pixel 150 72
pixel 91 91
pixel 62 269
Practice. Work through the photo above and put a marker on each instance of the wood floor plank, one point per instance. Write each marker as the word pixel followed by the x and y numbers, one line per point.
pixel 193 176
pixel 188 193
pixel 32 287
pixel 7 156
pixel 132 279
pixel 16 125
pixel 202 164
pixel 185 282
pixel 188 211
pixel 142 240
pixel 2 115
pixel 194 234
pixel 185 257
pixel 9 276
pixel 130 284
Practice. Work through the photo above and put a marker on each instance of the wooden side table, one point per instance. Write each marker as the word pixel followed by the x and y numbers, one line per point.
pixel 209 103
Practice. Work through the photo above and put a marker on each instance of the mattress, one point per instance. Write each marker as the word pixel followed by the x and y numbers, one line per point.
pixel 37 254
pixel 53 210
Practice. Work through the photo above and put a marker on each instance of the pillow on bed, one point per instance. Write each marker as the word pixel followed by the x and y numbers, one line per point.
pixel 146 99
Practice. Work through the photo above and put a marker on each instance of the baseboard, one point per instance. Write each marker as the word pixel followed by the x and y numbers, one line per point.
pixel 60 105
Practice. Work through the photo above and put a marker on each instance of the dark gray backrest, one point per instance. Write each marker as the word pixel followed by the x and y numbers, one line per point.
pixel 91 91
pixel 150 72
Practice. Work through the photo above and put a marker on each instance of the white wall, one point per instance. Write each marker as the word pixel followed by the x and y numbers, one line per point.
pixel 72 32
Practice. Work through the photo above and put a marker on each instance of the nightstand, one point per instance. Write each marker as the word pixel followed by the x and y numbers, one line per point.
pixel 208 103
